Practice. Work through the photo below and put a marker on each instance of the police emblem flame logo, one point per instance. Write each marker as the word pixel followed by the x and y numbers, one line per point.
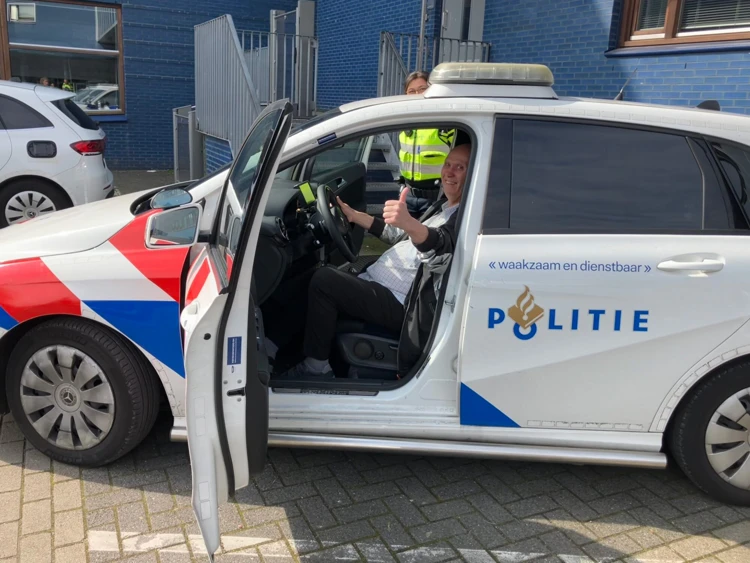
pixel 525 312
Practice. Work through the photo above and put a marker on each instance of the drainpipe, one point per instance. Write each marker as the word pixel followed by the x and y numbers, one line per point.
pixel 420 48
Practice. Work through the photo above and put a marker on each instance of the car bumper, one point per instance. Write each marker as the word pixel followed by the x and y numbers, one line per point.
pixel 90 180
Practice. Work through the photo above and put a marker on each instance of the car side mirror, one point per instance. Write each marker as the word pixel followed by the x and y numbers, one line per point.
pixel 175 227
pixel 171 197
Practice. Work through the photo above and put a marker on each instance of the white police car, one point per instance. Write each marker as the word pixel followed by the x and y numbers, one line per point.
pixel 595 310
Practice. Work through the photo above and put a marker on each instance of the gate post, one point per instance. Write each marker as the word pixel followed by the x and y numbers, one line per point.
pixel 195 144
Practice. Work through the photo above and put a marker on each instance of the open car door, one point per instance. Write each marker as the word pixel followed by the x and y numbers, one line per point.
pixel 225 360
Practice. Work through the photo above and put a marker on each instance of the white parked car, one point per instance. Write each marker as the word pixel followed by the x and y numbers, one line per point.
pixel 51 153
pixel 98 97
pixel 595 308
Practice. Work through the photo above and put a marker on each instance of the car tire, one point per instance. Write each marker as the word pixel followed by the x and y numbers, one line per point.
pixel 701 431
pixel 123 414
pixel 48 194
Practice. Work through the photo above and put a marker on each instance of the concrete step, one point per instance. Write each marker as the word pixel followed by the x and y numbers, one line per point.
pixel 382 166
pixel 383 147
pixel 382 187
pixel 375 208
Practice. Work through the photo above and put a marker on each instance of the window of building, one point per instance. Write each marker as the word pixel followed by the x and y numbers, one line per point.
pixel 75 47
pixel 17 115
pixel 21 13
pixel 659 22
pixel 572 177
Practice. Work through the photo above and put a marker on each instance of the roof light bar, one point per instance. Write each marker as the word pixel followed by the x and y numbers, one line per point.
pixel 492 73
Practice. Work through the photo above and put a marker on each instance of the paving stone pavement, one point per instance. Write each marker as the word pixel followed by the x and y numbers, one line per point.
pixel 333 506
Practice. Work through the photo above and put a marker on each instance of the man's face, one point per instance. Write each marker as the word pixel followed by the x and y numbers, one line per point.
pixel 453 174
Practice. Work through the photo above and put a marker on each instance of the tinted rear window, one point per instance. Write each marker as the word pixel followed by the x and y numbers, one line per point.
pixel 581 177
pixel 76 114
pixel 17 115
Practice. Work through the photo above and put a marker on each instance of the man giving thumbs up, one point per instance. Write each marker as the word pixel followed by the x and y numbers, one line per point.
pixel 378 295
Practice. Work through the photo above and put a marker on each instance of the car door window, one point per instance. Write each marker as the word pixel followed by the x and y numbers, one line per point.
pixel 17 115
pixel 346 153
pixel 573 177
pixel 241 184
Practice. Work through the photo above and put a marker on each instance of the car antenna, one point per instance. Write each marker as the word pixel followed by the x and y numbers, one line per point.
pixel 619 95
pixel 709 104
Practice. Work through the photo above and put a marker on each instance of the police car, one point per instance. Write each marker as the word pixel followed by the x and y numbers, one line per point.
pixel 595 310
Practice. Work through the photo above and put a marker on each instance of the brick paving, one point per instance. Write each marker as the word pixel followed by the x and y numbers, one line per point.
pixel 336 506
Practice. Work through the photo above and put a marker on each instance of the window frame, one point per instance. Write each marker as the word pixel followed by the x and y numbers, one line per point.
pixel 6 46
pixel 669 34
pixel 501 178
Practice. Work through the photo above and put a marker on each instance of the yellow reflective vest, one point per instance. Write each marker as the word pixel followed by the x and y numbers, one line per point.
pixel 423 152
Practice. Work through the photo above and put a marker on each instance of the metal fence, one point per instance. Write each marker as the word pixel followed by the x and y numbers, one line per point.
pixel 106 21
pixel 188 145
pixel 399 55
pixel 226 103
pixel 283 65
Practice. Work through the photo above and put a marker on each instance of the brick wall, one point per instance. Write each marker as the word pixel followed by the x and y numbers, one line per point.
pixel 159 62
pixel 217 153
pixel 349 35
pixel 571 37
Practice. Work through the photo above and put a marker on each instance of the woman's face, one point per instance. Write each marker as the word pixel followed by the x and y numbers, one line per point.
pixel 417 86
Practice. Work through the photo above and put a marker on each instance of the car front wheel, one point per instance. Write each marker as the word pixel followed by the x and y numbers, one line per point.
pixel 710 438
pixel 80 393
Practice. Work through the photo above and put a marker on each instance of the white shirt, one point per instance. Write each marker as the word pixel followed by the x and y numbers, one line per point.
pixel 397 267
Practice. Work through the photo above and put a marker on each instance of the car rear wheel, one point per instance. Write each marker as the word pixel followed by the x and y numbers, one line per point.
pixel 79 393
pixel 26 199
pixel 710 437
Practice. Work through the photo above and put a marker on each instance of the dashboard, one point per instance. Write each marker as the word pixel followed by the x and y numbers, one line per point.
pixel 291 235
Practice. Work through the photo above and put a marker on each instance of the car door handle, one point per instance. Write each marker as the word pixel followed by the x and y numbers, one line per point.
pixel 189 313
pixel 705 265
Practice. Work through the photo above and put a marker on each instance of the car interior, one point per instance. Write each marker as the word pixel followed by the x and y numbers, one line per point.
pixel 304 229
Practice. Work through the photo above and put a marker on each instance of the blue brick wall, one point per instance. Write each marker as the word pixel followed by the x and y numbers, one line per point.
pixel 159 71
pixel 217 153
pixel 349 37
pixel 571 37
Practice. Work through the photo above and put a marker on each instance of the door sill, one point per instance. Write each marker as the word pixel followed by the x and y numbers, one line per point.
pixel 547 454
pixel 338 386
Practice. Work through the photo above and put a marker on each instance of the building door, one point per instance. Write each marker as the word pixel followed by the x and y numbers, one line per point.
pixel 462 24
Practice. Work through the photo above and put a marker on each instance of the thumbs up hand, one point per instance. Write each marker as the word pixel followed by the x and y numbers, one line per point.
pixel 396 213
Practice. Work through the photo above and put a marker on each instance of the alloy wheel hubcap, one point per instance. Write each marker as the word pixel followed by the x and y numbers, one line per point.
pixel 67 398
pixel 728 440
pixel 27 205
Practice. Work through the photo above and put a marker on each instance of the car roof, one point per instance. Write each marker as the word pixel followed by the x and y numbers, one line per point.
pixel 46 93
pixel 697 121
pixel 506 93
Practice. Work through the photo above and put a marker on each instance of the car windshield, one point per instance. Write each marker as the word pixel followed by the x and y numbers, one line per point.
pixel 296 129
pixel 85 95
pixel 316 120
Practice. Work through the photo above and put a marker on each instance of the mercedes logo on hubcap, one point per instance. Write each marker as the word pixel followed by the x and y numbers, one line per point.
pixel 68 397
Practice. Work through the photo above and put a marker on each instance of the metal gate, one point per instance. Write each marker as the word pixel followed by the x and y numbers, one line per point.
pixel 187 145
pixel 282 65
pixel 399 55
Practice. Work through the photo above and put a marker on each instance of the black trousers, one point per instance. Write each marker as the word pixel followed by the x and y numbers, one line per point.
pixel 333 292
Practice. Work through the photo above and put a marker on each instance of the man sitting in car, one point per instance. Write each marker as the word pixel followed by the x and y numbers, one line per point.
pixel 394 292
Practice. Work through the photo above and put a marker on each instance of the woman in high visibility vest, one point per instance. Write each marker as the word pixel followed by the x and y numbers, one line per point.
pixel 422 153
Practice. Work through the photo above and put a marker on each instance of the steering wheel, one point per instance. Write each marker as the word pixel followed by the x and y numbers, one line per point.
pixel 336 222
